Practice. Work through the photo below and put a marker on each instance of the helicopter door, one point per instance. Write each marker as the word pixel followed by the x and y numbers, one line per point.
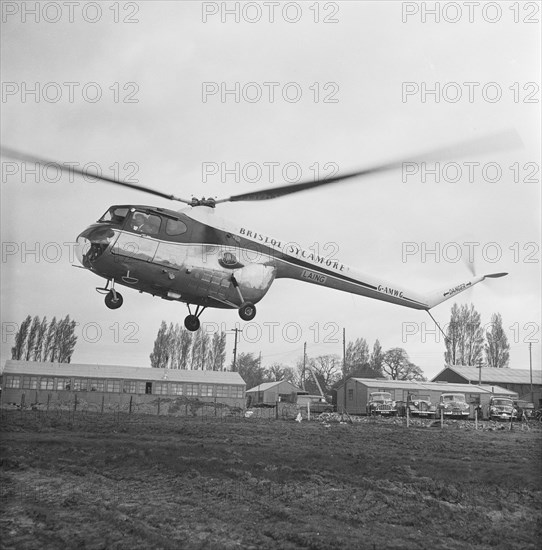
pixel 137 247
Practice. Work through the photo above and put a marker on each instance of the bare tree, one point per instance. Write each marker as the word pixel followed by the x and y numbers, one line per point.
pixel 465 336
pixel 376 357
pixel 328 370
pixel 185 347
pixel 31 340
pixel 396 364
pixel 48 343
pixel 356 356
pixel 217 351
pixel 18 350
pixel 161 351
pixel 40 339
pixel 65 340
pixel 250 369
pixel 497 348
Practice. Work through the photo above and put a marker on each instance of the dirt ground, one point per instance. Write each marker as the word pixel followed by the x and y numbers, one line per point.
pixel 157 482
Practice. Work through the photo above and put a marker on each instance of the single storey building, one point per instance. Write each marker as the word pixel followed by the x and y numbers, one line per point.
pixel 270 393
pixel 354 395
pixel 516 380
pixel 37 382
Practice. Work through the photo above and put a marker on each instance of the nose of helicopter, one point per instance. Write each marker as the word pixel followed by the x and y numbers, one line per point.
pixel 81 250
pixel 91 243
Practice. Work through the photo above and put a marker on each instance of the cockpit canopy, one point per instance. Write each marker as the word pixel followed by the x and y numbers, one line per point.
pixel 145 221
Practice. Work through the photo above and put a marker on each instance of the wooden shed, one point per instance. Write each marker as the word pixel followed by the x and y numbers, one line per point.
pixel 270 393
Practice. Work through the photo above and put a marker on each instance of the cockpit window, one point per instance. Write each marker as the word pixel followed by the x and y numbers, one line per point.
pixel 148 224
pixel 175 227
pixel 115 214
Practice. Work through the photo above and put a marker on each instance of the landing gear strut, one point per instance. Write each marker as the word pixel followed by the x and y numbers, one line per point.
pixel 191 321
pixel 247 310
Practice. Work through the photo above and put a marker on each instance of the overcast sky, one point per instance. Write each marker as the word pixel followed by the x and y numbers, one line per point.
pixel 349 83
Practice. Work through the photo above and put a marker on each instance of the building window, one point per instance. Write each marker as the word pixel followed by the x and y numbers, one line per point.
pixel 13 381
pixel 47 383
pixel 112 386
pixel 176 389
pixel 222 391
pixel 30 382
pixel 80 384
pixel 63 384
pixel 191 389
pixel 350 395
pixel 160 388
pixel 237 392
pixel 206 390
pixel 130 386
pixel 96 385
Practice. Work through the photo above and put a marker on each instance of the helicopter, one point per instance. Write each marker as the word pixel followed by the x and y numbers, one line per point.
pixel 195 257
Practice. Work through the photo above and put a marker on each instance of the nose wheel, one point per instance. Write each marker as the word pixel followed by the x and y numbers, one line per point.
pixel 113 299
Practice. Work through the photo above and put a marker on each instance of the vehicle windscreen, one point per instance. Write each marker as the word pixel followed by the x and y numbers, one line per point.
pixel 381 396
pixel 453 397
pixel 502 402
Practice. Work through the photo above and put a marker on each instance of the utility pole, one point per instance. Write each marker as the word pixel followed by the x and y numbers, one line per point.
pixel 531 368
pixel 304 363
pixel 344 368
pixel 236 330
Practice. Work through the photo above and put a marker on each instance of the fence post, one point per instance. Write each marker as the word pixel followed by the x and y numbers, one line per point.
pixel 103 399
pixel 130 409
pixel 475 419
pixel 408 416
pixel 158 407
pixel 48 402
pixel 277 410
pixel 442 418
pixel 22 403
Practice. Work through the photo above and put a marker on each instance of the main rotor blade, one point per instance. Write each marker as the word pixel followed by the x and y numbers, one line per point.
pixel 508 139
pixel 17 155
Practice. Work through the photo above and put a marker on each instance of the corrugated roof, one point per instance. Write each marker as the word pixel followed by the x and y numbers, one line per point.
pixel 489 375
pixel 414 385
pixel 121 372
pixel 268 385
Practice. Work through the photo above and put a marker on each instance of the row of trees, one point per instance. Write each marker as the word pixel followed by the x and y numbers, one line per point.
pixel 329 369
pixel 38 340
pixel 177 348
pixel 467 343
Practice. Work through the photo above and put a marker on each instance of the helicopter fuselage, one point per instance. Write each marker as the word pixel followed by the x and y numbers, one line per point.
pixel 195 257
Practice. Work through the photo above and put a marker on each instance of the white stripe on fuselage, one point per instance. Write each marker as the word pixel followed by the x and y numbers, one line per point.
pixel 375 288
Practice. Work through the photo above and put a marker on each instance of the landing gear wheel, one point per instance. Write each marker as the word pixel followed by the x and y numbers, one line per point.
pixel 191 322
pixel 113 300
pixel 247 311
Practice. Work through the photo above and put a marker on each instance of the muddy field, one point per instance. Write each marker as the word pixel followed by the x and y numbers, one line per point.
pixel 158 482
